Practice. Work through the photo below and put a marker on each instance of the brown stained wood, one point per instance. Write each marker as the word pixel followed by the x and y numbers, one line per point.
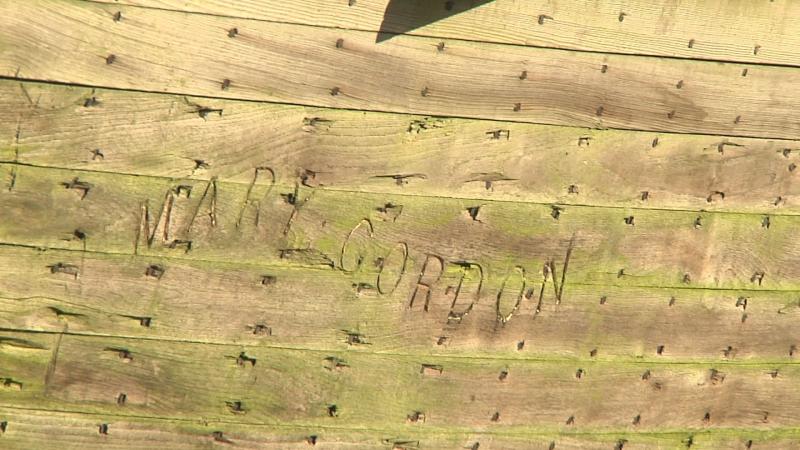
pixel 662 27
pixel 560 88
pixel 320 309
pixel 163 135
pixel 305 226
pixel 289 387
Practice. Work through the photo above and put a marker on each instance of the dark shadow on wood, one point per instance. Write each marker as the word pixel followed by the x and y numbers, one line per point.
pixel 402 16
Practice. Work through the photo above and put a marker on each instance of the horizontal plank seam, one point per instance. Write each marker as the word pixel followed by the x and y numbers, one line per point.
pixel 424 357
pixel 574 205
pixel 297 266
pixel 555 432
pixel 423 196
pixel 455 39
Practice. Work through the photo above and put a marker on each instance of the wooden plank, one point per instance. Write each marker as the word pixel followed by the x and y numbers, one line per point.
pixel 302 308
pixel 289 387
pixel 308 226
pixel 80 42
pixel 163 135
pixel 67 431
pixel 47 430
pixel 756 32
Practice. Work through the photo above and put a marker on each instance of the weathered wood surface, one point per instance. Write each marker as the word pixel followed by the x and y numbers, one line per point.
pixel 311 388
pixel 80 42
pixel 49 430
pixel 169 136
pixel 757 32
pixel 330 310
pixel 309 226
pixel 218 221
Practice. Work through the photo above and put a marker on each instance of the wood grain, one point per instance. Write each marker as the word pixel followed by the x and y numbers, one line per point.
pixel 289 387
pixel 165 136
pixel 320 309
pixel 661 27
pixel 307 226
pixel 73 42
pixel 63 430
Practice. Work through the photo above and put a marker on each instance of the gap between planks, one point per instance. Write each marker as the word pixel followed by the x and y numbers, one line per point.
pixel 424 196
pixel 635 361
pixel 300 266
pixel 720 432
pixel 415 34
pixel 711 109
